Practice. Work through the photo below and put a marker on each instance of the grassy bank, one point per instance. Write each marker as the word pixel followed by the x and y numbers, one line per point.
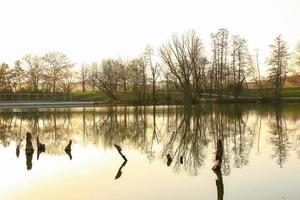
pixel 130 97
pixel 173 97
pixel 177 97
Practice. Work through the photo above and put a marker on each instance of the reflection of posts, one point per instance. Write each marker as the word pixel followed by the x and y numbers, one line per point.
pixel 219 156
pixel 69 153
pixel 217 169
pixel 68 149
pixel 41 147
pixel 181 160
pixel 220 185
pixel 29 151
pixel 119 173
pixel 29 161
pixel 18 150
pixel 169 160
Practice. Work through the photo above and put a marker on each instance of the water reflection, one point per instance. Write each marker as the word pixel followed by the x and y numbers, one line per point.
pixel 279 137
pixel 41 148
pixel 68 149
pixel 29 151
pixel 180 134
pixel 219 184
pixel 119 173
pixel 18 151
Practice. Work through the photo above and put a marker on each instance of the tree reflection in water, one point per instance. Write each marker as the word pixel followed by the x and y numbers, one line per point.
pixel 279 137
pixel 186 133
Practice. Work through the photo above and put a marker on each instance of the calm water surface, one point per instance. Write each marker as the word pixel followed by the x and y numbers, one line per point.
pixel 261 152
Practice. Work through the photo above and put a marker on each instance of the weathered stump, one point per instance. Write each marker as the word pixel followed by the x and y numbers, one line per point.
pixel 29 148
pixel 69 146
pixel 181 159
pixel 40 147
pixel 68 149
pixel 119 149
pixel 169 160
pixel 29 151
pixel 18 151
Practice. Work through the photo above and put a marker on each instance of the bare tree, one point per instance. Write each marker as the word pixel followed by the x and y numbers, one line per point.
pixel 279 64
pixel 155 70
pixel 296 58
pixel 240 60
pixel 35 73
pixel 182 55
pixel 219 60
pixel 107 77
pixel 136 77
pixel 83 76
pixel 18 75
pixel 57 63
pixel 92 74
pixel 5 78
pixel 123 74
pixel 142 64
pixel 253 73
pixel 66 82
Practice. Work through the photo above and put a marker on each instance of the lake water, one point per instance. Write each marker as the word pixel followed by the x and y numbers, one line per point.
pixel 261 152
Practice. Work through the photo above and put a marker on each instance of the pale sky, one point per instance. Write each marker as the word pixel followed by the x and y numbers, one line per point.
pixel 90 30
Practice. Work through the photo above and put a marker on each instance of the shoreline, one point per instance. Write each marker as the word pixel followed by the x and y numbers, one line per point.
pixel 48 104
pixel 57 104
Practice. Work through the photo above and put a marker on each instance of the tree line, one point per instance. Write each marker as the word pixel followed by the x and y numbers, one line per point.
pixel 184 66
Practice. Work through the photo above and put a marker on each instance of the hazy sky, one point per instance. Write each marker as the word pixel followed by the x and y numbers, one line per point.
pixel 89 30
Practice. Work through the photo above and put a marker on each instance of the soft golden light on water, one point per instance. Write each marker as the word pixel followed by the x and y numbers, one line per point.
pixel 263 161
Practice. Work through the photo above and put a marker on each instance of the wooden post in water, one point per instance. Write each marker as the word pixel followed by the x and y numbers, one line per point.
pixel 68 149
pixel 219 156
pixel 29 147
pixel 119 149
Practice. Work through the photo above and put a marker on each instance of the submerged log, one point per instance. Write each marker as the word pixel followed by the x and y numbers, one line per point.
pixel 119 149
pixel 219 156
